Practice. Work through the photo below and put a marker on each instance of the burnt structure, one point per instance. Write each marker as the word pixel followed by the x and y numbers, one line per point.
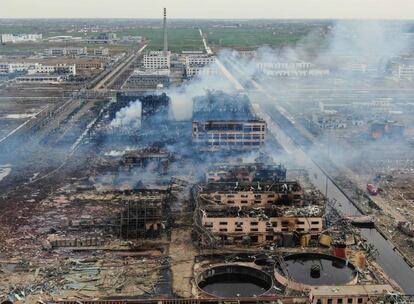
pixel 256 205
pixel 255 172
pixel 144 158
pixel 146 216
pixel 155 108
pixel 226 122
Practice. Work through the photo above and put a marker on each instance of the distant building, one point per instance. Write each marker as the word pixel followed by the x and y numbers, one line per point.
pixel 200 65
pixel 15 67
pixel 103 38
pixel 60 69
pixel 132 39
pixel 201 70
pixel 20 38
pixel 296 69
pixel 148 80
pixel 51 79
pixel 157 60
pixel 330 119
pixel 63 39
pixel 405 71
pixel 402 69
pixel 72 51
pixel 200 60
pixel 101 52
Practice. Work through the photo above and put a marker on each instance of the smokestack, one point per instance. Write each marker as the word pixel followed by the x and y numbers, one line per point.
pixel 165 31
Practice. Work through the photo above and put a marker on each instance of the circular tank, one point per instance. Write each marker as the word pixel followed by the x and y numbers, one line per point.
pixel 234 281
pixel 314 269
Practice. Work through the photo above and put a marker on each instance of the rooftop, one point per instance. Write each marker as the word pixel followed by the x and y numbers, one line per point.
pixel 217 105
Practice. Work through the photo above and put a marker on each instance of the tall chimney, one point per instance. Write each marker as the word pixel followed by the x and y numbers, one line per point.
pixel 165 31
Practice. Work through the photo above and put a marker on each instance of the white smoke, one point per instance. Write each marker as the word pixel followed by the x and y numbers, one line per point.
pixel 182 97
pixel 128 116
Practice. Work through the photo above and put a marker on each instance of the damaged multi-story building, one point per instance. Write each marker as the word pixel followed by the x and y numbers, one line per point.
pixel 226 122
pixel 255 211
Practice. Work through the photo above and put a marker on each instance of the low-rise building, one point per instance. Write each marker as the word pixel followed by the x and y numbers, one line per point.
pixel 6 67
pixel 132 39
pixel 60 69
pixel 148 80
pixel 70 51
pixel 291 69
pixel 101 52
pixel 51 79
pixel 202 64
pixel 103 38
pixel 20 38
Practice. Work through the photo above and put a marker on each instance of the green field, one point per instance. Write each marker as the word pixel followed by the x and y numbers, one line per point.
pixel 178 38
pixel 245 37
pixel 305 35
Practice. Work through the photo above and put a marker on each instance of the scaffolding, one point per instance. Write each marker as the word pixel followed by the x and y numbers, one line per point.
pixel 145 217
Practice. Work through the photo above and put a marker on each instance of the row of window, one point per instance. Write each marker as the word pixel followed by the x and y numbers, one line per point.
pixel 202 136
pixel 235 143
pixel 252 229
pixel 274 224
pixel 341 301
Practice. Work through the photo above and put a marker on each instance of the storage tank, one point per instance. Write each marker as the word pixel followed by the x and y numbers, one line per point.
pixel 316 269
pixel 339 250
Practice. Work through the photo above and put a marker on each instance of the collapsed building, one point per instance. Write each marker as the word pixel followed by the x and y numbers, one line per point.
pixel 254 204
pixel 146 157
pixel 255 172
pixel 128 214
pixel 226 122
pixel 146 216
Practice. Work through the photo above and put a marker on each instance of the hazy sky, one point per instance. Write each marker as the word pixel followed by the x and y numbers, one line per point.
pixel 372 9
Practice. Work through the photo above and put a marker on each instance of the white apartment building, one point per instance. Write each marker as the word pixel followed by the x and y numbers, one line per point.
pixel 39 69
pixel 67 51
pixel 297 69
pixel 200 64
pixel 157 60
pixel 284 65
pixel 15 67
pixel 192 71
pixel 404 71
pixel 101 52
pixel 19 38
pixel 199 60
